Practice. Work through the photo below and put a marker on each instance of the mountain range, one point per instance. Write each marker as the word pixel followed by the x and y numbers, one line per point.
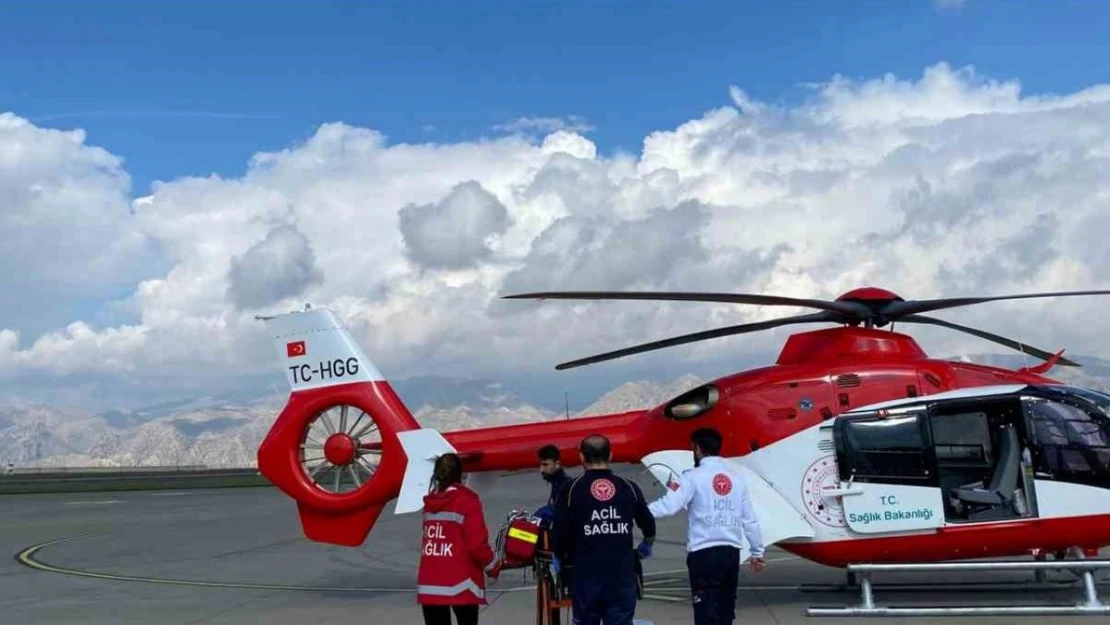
pixel 225 431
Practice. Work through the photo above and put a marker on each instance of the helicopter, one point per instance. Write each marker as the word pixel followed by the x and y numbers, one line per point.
pixel 856 445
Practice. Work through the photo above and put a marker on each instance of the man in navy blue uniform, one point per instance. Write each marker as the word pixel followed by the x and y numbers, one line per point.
pixel 594 515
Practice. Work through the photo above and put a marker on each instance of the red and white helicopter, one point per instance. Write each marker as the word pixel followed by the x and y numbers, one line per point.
pixel 858 447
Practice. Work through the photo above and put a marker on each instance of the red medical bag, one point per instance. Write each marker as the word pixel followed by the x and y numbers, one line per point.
pixel 518 539
pixel 520 542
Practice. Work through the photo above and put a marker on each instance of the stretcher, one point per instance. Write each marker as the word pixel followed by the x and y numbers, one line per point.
pixel 524 542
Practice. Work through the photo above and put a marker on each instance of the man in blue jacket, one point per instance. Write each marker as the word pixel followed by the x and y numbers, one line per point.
pixel 594 516
pixel 551 470
pixel 719 512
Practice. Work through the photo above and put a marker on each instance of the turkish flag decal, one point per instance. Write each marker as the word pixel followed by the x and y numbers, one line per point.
pixel 295 349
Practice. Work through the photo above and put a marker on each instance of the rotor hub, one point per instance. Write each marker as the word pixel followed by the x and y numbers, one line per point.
pixel 340 449
pixel 870 294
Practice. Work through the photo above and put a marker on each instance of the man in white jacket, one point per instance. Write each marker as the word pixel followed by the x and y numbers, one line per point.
pixel 719 514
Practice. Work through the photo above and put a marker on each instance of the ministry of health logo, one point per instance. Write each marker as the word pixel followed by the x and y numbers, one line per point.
pixel 822 476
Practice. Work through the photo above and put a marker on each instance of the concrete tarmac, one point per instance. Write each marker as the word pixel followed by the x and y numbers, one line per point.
pixel 236 556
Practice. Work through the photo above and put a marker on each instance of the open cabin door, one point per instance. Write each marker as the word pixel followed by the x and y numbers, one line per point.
pixel 888 480
pixel 984 466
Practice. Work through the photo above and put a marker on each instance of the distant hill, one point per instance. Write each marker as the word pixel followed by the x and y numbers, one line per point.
pixel 225 431
pixel 639 395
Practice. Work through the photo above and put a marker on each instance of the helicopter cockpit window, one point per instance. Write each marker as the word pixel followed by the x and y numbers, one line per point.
pixel 1070 439
pixel 884 449
pixel 1100 400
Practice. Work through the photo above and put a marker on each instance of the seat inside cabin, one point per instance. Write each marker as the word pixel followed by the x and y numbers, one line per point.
pixel 981 477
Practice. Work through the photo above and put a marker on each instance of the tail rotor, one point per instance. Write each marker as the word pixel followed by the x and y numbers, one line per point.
pixel 340 453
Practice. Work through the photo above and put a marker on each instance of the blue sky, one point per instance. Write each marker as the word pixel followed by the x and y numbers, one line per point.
pixel 190 88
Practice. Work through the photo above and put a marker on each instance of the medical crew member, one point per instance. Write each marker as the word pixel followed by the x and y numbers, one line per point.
pixel 551 470
pixel 594 515
pixel 455 555
pixel 719 513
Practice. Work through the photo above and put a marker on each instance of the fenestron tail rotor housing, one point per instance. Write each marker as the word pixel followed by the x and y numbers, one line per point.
pixel 341 449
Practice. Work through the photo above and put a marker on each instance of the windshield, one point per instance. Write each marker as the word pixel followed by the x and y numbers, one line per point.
pixel 1099 399
pixel 1070 438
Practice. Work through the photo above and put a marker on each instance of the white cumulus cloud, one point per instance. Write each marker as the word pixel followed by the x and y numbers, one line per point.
pixel 456 231
pixel 68 232
pixel 937 185
pixel 280 266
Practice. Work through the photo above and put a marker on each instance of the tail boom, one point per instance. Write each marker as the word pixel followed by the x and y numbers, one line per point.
pixel 514 447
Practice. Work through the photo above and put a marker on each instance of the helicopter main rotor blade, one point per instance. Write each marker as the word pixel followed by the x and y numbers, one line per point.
pixel 897 310
pixel 845 308
pixel 701 336
pixel 1011 343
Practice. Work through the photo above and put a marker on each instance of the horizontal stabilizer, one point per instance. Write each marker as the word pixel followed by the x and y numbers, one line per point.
pixel 1048 364
pixel 338 528
pixel 422 447
pixel 778 520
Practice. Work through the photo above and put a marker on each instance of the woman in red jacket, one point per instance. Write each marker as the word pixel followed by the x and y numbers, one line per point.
pixel 455 551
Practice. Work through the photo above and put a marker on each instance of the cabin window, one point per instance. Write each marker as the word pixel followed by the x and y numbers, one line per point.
pixel 1069 439
pixel 892 449
pixel 962 439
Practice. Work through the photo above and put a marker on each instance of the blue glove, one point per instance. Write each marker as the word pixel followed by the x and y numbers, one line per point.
pixel 644 550
pixel 555 566
pixel 546 513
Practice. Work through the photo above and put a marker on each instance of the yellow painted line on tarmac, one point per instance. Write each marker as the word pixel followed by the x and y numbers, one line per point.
pixel 27 558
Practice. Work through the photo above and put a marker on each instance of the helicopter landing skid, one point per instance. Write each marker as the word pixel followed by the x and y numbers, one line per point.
pixel 1015 586
pixel 1090 605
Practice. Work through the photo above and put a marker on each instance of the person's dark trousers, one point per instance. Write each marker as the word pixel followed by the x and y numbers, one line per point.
pixel 441 614
pixel 611 601
pixel 714 575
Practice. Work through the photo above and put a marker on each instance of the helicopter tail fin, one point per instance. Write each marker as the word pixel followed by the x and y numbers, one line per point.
pixel 344 444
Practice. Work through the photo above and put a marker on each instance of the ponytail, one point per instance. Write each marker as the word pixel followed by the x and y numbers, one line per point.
pixel 447 471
